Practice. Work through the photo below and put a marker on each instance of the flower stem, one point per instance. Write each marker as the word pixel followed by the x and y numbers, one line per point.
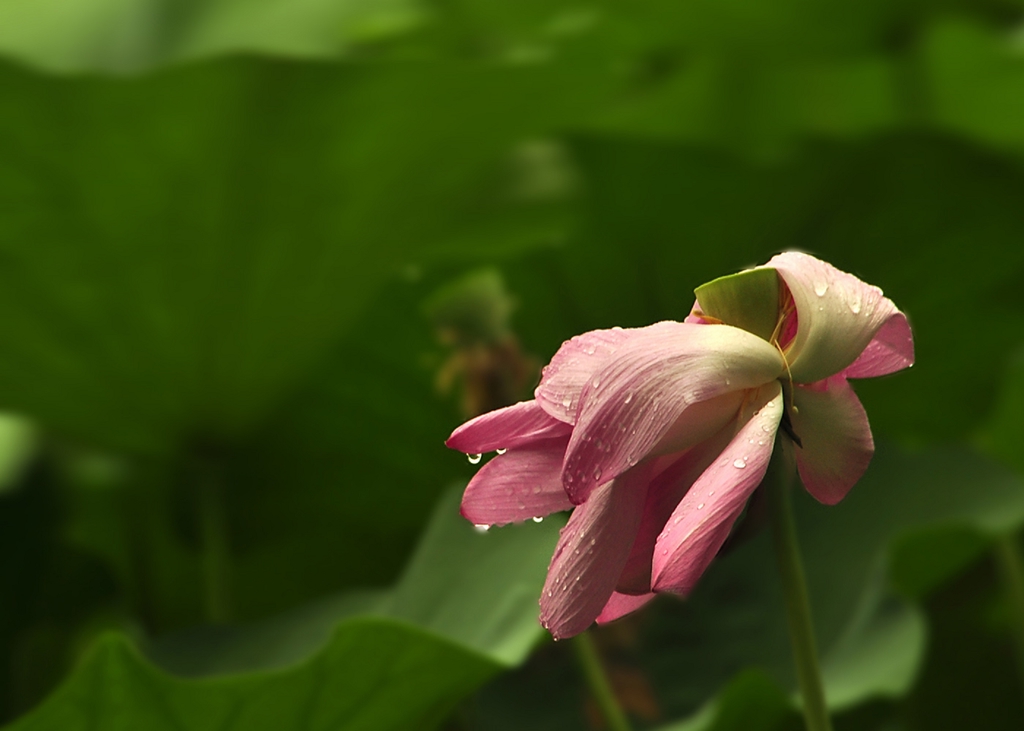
pixel 794 589
pixel 216 552
pixel 597 680
pixel 1011 568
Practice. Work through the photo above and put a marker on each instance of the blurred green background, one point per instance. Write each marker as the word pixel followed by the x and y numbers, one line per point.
pixel 258 258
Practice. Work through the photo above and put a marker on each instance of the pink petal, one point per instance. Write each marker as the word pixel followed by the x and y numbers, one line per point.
pixel 572 367
pixel 696 317
pixel 512 426
pixel 838 315
pixel 702 521
pixel 661 384
pixel 836 436
pixel 622 604
pixel 524 483
pixel 664 494
pixel 591 552
pixel 892 350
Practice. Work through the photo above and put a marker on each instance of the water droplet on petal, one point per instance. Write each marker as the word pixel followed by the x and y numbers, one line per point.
pixel 538 519
pixel 500 451
pixel 855 306
pixel 536 489
pixel 629 397
pixel 677 521
pixel 474 458
pixel 597 473
pixel 597 381
pixel 820 288
pixel 700 507
pixel 482 527
pixel 739 463
pixel 567 402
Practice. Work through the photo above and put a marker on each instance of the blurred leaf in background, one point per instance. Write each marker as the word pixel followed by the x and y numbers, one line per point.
pixel 464 609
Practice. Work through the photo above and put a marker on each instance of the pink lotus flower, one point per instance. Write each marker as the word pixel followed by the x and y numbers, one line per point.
pixel 659 435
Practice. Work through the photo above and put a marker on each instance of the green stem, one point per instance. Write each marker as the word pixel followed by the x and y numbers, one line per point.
pixel 216 552
pixel 594 673
pixel 1011 567
pixel 794 589
pixel 142 515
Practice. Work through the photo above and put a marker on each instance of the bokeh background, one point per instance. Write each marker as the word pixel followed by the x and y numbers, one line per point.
pixel 259 257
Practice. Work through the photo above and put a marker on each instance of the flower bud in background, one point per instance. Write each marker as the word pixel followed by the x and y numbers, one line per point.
pixel 471 316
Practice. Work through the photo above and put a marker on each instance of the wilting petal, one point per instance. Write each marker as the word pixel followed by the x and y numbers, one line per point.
pixel 622 604
pixel 648 388
pixel 571 369
pixel 702 521
pixel 838 315
pixel 524 483
pixel 664 494
pixel 512 426
pixel 836 436
pixel 891 350
pixel 591 552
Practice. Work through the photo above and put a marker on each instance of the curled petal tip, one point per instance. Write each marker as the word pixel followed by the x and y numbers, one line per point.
pixel 838 315
pixel 891 350
pixel 512 426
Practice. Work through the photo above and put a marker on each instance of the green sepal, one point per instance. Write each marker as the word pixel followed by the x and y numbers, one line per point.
pixel 747 300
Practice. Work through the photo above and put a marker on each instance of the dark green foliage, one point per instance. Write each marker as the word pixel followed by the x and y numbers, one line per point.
pixel 234 241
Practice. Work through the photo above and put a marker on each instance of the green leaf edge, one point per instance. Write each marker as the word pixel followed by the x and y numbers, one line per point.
pixel 748 300
pixel 374 613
